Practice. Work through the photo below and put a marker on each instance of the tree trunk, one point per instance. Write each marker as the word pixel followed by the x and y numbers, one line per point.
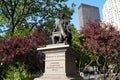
pixel 97 62
pixel 79 66
pixel 87 65
pixel 12 31
pixel 104 68
pixel 12 25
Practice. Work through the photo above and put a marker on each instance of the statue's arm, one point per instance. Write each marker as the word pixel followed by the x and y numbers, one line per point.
pixel 56 28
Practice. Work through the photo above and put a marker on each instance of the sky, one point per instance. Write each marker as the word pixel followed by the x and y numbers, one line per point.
pixel 75 16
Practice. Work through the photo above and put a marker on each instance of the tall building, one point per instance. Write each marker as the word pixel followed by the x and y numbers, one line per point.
pixel 111 12
pixel 88 13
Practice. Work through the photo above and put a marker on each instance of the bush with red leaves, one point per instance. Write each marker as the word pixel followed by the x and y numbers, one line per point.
pixel 23 49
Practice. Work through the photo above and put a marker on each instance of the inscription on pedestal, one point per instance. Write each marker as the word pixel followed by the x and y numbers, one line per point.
pixel 55 66
pixel 55 63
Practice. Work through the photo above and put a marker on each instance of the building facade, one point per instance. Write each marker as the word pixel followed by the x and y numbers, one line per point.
pixel 88 13
pixel 111 12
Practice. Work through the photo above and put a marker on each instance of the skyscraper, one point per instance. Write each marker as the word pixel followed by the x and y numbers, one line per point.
pixel 111 12
pixel 88 13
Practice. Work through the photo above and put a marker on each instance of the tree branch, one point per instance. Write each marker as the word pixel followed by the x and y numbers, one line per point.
pixel 22 13
pixel 87 65
pixel 6 7
pixel 4 13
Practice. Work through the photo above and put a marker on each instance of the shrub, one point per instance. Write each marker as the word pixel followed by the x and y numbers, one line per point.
pixel 18 71
pixel 23 49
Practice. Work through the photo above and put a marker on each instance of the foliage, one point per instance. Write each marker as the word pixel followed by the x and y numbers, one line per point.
pixel 76 38
pixel 23 49
pixel 102 40
pixel 18 71
pixel 20 16
pixel 85 57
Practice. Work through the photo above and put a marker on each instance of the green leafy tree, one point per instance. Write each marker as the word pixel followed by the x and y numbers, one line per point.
pixel 85 58
pixel 20 16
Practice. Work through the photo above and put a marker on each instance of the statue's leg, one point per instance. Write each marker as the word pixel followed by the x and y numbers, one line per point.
pixel 60 39
pixel 53 40
pixel 69 39
pixel 66 40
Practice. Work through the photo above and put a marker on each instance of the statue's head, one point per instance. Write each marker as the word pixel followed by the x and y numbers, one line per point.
pixel 62 15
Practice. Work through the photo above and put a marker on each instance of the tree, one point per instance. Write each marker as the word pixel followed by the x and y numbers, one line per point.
pixel 23 49
pixel 20 15
pixel 102 40
pixel 85 58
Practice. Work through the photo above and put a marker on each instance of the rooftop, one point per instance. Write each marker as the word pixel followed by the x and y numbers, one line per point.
pixel 82 4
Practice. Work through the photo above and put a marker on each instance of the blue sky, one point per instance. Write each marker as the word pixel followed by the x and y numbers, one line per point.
pixel 75 18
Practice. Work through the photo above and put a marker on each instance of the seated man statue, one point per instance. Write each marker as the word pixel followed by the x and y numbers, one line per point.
pixel 62 32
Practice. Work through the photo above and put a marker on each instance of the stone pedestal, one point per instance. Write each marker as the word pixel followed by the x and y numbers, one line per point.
pixel 59 63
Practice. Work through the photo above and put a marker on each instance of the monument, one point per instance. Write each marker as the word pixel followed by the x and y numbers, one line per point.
pixel 62 32
pixel 59 56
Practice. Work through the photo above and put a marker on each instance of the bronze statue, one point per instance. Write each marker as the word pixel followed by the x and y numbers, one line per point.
pixel 62 32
